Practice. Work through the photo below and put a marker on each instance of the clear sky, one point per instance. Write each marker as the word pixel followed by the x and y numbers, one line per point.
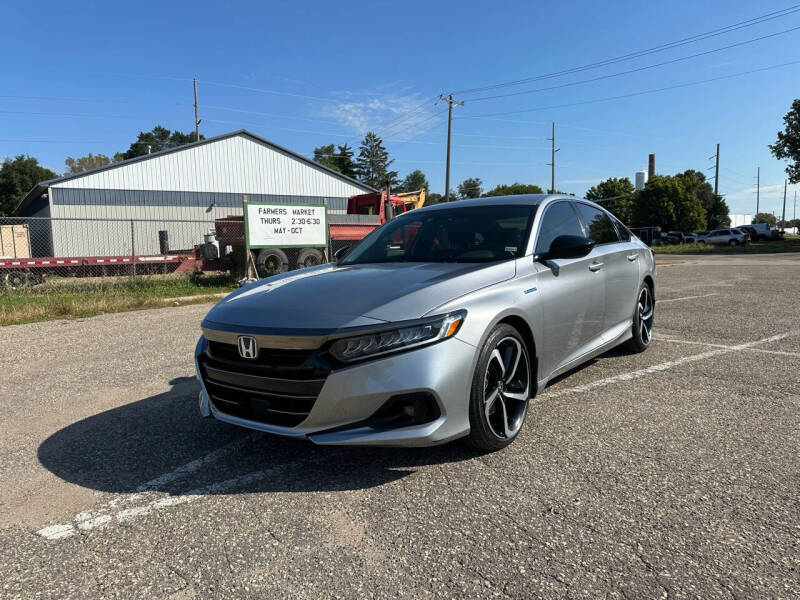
pixel 87 77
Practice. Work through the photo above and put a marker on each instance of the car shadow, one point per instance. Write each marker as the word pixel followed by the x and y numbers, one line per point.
pixel 161 443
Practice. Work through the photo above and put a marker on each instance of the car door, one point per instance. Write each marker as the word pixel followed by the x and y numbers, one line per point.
pixel 717 236
pixel 620 262
pixel 570 291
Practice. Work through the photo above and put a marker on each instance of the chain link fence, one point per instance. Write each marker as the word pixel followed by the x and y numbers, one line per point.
pixel 36 250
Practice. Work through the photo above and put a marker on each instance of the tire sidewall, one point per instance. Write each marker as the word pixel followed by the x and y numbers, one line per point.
pixel 636 344
pixel 309 252
pixel 279 255
pixel 481 435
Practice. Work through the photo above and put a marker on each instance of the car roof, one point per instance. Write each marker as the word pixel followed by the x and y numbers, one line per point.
pixel 528 199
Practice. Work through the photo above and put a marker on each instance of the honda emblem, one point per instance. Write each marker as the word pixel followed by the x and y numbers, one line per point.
pixel 248 348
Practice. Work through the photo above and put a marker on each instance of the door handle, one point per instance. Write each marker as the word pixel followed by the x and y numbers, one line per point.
pixel 595 266
pixel 632 257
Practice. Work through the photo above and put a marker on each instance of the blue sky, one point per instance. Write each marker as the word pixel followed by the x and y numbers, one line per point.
pixel 86 77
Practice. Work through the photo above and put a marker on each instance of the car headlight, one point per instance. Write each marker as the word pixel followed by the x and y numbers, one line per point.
pixel 402 338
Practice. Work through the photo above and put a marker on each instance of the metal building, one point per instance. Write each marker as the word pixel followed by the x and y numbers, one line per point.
pixel 196 182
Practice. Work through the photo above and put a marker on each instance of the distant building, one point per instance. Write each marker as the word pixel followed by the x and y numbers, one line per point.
pixel 641 180
pixel 740 219
pixel 180 191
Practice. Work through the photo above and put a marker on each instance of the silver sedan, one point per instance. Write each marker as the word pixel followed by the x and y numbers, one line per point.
pixel 443 323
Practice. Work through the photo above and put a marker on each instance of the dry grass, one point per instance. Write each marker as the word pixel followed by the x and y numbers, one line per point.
pixel 77 298
pixel 790 244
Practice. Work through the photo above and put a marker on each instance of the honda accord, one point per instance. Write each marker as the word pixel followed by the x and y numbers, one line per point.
pixel 443 323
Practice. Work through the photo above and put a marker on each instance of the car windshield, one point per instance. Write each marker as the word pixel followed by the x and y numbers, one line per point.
pixel 457 234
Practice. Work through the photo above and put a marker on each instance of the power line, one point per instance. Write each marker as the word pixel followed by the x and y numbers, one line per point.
pixel 639 53
pixel 636 70
pixel 632 94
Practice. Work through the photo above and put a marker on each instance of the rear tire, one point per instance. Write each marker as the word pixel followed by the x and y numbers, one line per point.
pixel 733 243
pixel 309 257
pixel 16 280
pixel 501 389
pixel 272 261
pixel 643 318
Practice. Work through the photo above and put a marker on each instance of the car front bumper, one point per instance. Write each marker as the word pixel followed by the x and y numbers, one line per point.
pixel 351 396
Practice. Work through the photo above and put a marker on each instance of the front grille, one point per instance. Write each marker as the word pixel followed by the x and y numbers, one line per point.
pixel 278 387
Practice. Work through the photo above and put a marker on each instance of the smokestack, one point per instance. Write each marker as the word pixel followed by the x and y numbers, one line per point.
pixel 651 167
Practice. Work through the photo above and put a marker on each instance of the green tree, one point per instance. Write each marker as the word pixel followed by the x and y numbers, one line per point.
pixel 347 165
pixel 84 163
pixel 470 188
pixel 338 158
pixel 514 189
pixel 414 181
pixel 326 156
pixel 616 194
pixel 666 202
pixel 433 198
pixel 767 218
pixel 17 177
pixel 787 146
pixel 160 138
pixel 717 213
pixel 373 162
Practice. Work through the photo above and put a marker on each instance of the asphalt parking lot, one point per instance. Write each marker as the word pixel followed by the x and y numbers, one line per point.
pixel 670 474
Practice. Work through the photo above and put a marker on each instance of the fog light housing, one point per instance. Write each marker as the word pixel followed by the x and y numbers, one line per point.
pixel 405 410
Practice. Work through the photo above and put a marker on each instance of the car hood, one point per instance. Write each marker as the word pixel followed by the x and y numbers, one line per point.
pixel 327 297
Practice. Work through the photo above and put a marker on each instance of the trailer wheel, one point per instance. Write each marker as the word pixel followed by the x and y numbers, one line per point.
pixel 272 260
pixel 309 257
pixel 16 280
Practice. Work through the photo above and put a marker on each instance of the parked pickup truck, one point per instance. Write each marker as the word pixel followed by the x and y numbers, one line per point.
pixel 762 231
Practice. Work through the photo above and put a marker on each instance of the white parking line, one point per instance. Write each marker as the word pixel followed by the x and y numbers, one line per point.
pixel 710 345
pixel 685 298
pixel 64 530
pixel 112 509
pixel 665 366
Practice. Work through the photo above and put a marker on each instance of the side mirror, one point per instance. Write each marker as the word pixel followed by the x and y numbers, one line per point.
pixel 340 253
pixel 568 246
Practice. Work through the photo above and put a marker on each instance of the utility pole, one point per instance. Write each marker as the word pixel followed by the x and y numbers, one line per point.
pixel 758 188
pixel 716 174
pixel 196 117
pixel 552 163
pixel 783 218
pixel 450 103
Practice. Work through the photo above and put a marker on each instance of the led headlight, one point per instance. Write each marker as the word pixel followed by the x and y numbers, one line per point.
pixel 392 340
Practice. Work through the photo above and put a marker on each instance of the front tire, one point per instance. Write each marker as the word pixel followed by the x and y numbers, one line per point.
pixel 643 317
pixel 271 261
pixel 733 243
pixel 501 389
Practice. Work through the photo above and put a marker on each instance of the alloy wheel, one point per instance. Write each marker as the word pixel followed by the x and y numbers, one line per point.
pixel 646 315
pixel 506 388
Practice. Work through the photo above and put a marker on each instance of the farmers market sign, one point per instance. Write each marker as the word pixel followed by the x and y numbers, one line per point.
pixel 275 225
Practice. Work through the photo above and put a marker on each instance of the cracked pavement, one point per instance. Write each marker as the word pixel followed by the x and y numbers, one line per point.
pixel 679 482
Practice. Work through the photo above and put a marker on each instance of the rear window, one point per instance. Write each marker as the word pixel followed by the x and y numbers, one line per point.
pixel 601 229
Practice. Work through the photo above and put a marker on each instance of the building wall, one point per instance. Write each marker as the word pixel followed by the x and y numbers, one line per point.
pixel 91 222
pixel 92 213
pixel 740 219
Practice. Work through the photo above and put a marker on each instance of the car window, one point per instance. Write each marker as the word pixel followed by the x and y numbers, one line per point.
pixel 452 234
pixel 601 230
pixel 622 231
pixel 558 219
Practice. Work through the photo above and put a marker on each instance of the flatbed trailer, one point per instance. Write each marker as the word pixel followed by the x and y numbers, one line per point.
pixel 16 273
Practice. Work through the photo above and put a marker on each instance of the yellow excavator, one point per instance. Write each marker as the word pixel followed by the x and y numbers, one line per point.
pixel 412 200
